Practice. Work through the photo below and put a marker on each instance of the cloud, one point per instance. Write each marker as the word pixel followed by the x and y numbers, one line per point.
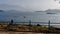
pixel 29 5
pixel 6 6
pixel 11 7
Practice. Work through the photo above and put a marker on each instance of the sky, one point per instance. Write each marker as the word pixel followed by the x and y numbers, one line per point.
pixel 29 5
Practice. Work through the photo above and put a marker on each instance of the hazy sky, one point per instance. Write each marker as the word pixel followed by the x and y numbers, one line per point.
pixel 29 5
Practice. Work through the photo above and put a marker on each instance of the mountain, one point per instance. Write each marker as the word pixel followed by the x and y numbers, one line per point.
pixel 52 11
pixel 1 11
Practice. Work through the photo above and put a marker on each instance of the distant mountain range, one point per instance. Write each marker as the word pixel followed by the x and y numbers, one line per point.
pixel 1 11
pixel 51 11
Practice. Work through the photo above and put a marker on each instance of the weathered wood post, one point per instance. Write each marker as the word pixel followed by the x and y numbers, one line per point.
pixel 24 20
pixel 49 24
pixel 11 23
pixel 29 22
pixel 29 25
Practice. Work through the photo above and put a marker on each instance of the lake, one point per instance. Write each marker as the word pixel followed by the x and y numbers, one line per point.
pixel 33 16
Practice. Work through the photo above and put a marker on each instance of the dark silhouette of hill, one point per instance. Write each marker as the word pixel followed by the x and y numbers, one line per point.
pixel 1 11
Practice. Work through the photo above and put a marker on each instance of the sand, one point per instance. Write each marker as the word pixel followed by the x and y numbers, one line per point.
pixel 24 33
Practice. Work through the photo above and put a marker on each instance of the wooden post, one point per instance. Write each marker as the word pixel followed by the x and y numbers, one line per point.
pixel 11 23
pixel 24 20
pixel 29 22
pixel 49 24
pixel 29 25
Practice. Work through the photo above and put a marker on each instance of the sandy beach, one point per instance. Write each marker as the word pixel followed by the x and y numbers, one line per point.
pixel 19 33
pixel 24 33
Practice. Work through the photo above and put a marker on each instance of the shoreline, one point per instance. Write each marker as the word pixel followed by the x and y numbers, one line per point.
pixel 27 28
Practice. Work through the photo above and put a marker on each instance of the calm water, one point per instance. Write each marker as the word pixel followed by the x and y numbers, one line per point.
pixel 33 16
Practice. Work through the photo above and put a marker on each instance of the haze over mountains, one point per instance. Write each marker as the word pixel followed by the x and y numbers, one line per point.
pixel 49 11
